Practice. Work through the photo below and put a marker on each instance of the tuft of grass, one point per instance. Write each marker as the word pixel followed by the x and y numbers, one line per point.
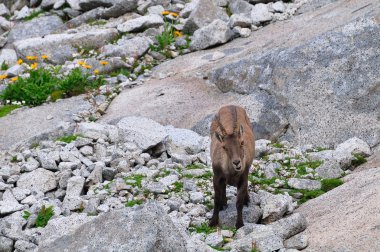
pixel 164 40
pixel 67 139
pixel 122 71
pixel 203 228
pixel 194 166
pixel 78 83
pixel 359 159
pixel 34 145
pixel 34 14
pixel 206 175
pixel 14 159
pixel 217 248
pixel 329 184
pixel 26 215
pixel 278 145
pixel 132 203
pixel 134 180
pixel 4 66
pixel 6 109
pixel 307 195
pixel 178 186
pixel 44 216
pixel 96 22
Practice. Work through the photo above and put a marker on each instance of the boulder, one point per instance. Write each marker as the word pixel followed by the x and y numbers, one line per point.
pixel 216 33
pixel 275 206
pixel 305 184
pixel 354 146
pixel 39 179
pixel 4 11
pixel 6 244
pixel 289 226
pixel 141 23
pixel 184 141
pixel 204 13
pixel 299 241
pixel 134 47
pixel 251 214
pixel 8 56
pixel 37 27
pixel 240 7
pixel 144 132
pixel 143 228
pixel 9 204
pixel 68 44
pixel 329 169
pixel 260 13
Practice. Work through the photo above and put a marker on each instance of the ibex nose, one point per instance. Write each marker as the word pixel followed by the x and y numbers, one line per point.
pixel 236 162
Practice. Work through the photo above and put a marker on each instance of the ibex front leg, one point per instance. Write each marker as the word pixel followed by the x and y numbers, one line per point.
pixel 218 200
pixel 240 201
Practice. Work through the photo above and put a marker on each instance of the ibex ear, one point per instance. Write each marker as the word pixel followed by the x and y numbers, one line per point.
pixel 241 131
pixel 219 137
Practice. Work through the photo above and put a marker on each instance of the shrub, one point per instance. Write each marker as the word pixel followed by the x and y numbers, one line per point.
pixel 44 216
pixel 4 66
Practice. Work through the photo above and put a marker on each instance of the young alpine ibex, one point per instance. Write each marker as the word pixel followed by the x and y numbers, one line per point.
pixel 232 153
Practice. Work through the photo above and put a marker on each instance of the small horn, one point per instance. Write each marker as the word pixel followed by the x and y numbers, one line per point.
pixel 221 128
pixel 234 114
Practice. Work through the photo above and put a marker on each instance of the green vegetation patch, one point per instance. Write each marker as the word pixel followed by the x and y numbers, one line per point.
pixel 34 14
pixel 67 139
pixel 195 166
pixel 6 109
pixel 44 216
pixel 359 159
pixel 26 215
pixel 203 228
pixel 132 203
pixel 301 168
pixel 134 180
pixel 329 184
pixel 278 145
pixel 4 66
pixel 178 186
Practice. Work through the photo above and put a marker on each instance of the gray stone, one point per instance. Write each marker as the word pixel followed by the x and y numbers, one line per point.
pixel 47 4
pixel 329 169
pixel 30 165
pixel 274 206
pixel 87 5
pixel 214 239
pixel 96 176
pixel 20 193
pixel 270 170
pixel 39 179
pixel 58 4
pixel 68 165
pixel 279 7
pixel 306 184
pixel 37 27
pixel 87 150
pixel 189 7
pixel 156 187
pixel 5 24
pixel 240 7
pixel 125 229
pixel 204 13
pixel 251 214
pixel 6 244
pixel 109 173
pixel 68 44
pixel 169 180
pixel 144 132
pixel 354 146
pixel 22 245
pixel 9 204
pixel 264 238
pixel 134 47
pixel 196 197
pixel 260 14
pixel 8 56
pixel 289 226
pixel 23 13
pixel 299 241
pixel 184 141
pixel 47 161
pixel 141 23
pixel 240 20
pixel 157 9
pixel 215 33
pixel 15 70
pixel 74 186
pixel 4 11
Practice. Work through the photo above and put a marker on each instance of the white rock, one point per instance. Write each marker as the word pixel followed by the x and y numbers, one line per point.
pixel 141 23
pixel 39 179
pixel 214 239
pixel 274 206
pixel 9 204
pixel 196 197
pixel 169 180
pixel 279 7
pixel 306 184
pixel 260 13
pixel 354 146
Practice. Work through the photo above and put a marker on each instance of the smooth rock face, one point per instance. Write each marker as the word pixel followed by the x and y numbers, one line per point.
pixel 306 184
pixel 141 23
pixel 37 27
pixel 125 229
pixel 353 112
pixel 204 13
pixel 144 132
pixel 39 179
pixel 216 33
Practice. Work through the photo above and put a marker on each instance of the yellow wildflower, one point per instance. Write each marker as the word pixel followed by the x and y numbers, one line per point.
pixel 81 63
pixel 87 66
pixel 96 71
pixel 165 13
pixel 3 76
pixel 44 56
pixel 174 14
pixel 34 65
pixel 104 63
pixel 20 61
pixel 14 79
pixel 177 34
pixel 31 57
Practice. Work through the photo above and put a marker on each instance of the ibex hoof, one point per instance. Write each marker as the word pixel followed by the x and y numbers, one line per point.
pixel 239 225
pixel 213 222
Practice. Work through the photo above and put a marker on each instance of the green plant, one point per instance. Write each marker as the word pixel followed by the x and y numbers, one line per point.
pixel 33 90
pixel 67 139
pixel 14 159
pixel 329 184
pixel 134 180
pixel 26 215
pixel 44 216
pixel 122 71
pixel 307 195
pixel 132 203
pixel 164 39
pixel 206 175
pixel 92 118
pixel 359 159
pixel 203 228
pixel 6 109
pixel 4 66
pixel 34 14
pixel 195 166
pixel 77 82
pixel 278 145
pixel 34 145
pixel 96 22
pixel 178 186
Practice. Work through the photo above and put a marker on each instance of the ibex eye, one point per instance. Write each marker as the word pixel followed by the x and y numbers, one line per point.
pixel 224 148
pixel 242 143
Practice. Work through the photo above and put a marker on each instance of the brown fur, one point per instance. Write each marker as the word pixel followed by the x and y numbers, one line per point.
pixel 232 140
